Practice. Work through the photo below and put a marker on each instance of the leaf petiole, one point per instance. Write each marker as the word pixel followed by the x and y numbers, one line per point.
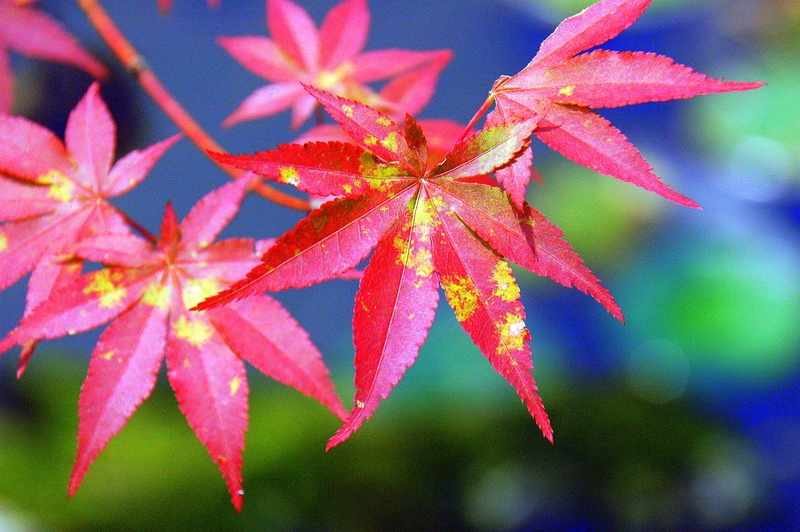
pixel 478 114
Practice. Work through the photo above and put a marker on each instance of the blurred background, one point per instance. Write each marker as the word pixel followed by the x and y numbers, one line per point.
pixel 685 418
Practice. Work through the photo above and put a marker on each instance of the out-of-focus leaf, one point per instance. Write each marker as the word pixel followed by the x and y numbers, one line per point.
pixel 331 59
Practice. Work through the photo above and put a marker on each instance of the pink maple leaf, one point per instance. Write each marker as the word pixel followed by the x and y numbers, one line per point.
pixel 329 58
pixel 55 193
pixel 31 32
pixel 561 86
pixel 447 226
pixel 440 134
pixel 147 290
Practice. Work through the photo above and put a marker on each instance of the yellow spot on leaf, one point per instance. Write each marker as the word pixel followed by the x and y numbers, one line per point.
pixel 62 187
pixel 196 332
pixel 567 91
pixel 360 404
pixel 289 175
pixel 379 175
pixel 390 141
pixel 347 189
pixel 235 383
pixel 156 295
pixel 420 260
pixel 383 121
pixel 513 332
pixel 426 215
pixel 103 284
pixel 507 288
pixel 462 296
pixel 401 244
pixel 197 290
pixel 3 242
pixel 369 140
pixel 109 355
pixel 348 110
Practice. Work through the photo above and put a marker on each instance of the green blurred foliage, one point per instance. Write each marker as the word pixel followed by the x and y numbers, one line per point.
pixel 759 135
pixel 435 467
pixel 730 302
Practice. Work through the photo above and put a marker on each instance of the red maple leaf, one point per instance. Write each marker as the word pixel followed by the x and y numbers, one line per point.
pixel 449 225
pixel 147 290
pixel 55 193
pixel 330 59
pixel 560 88
pixel 31 32
pixel 440 135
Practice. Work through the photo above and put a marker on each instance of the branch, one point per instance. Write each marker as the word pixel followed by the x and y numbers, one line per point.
pixel 137 66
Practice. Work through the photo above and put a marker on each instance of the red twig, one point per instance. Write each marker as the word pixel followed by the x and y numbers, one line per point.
pixel 135 63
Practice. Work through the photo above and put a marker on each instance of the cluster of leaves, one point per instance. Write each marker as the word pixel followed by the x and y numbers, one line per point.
pixel 440 204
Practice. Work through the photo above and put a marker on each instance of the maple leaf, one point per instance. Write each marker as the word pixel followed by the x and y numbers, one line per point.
pixel 55 193
pixel 31 32
pixel 444 226
pixel 147 290
pixel 560 88
pixel 329 58
pixel 440 136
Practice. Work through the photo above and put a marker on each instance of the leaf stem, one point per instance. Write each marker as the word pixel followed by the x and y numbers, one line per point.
pixel 136 65
pixel 150 237
pixel 478 114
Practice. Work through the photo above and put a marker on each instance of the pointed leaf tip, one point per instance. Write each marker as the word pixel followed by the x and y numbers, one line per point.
pixel 395 307
pixel 211 388
pixel 90 138
pixel 593 26
pixel 229 295
pixel 372 130
pixel 122 374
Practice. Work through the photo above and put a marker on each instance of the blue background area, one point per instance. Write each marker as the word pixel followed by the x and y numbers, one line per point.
pixel 685 418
